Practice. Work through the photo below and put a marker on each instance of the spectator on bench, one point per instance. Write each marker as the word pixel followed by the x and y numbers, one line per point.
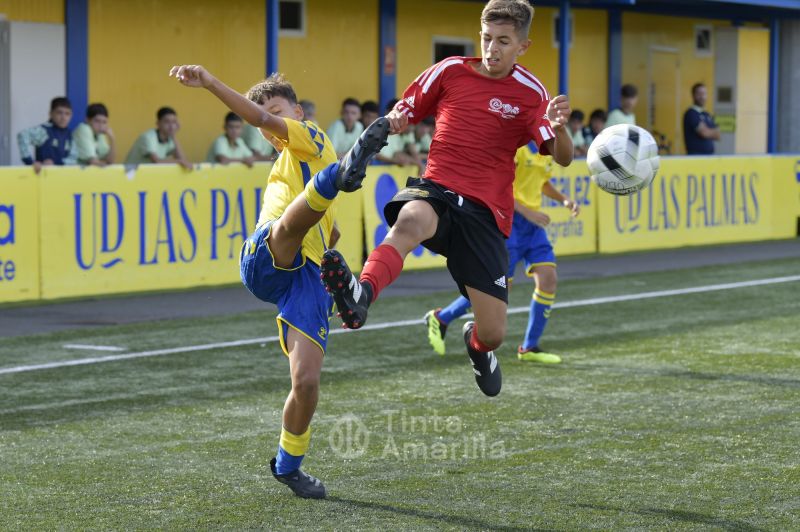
pixel 159 145
pixel 49 143
pixel 94 139
pixel 229 147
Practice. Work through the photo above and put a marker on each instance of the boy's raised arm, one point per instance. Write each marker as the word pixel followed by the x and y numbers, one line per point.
pixel 198 77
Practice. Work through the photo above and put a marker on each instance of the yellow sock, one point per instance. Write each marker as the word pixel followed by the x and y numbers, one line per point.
pixel 294 444
pixel 315 200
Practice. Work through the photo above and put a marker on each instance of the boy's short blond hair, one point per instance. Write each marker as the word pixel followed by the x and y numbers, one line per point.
pixel 275 85
pixel 516 12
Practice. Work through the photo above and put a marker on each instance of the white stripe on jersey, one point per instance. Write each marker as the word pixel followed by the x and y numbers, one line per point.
pixel 438 71
pixel 422 77
pixel 528 83
pixel 531 77
pixel 546 133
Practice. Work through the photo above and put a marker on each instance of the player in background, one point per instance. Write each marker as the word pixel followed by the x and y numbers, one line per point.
pixel 485 107
pixel 529 244
pixel 279 263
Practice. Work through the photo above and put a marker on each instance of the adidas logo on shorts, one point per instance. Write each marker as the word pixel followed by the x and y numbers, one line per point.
pixel 501 282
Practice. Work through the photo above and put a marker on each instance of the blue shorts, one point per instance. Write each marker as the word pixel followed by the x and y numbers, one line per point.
pixel 529 243
pixel 302 301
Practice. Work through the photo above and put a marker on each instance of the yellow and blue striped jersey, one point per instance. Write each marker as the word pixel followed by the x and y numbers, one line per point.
pixel 533 170
pixel 307 151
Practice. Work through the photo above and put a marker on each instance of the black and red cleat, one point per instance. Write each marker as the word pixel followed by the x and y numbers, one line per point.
pixel 352 297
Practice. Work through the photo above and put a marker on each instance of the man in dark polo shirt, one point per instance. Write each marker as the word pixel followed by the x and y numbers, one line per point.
pixel 699 129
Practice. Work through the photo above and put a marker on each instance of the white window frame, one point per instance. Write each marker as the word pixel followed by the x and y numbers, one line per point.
pixel 556 16
pixel 303 20
pixel 468 44
pixel 697 29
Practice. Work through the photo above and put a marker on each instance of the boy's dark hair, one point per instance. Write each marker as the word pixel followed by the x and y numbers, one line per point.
pixel 577 114
pixel 516 12
pixel 275 85
pixel 697 86
pixel 350 101
pixel 598 113
pixel 61 101
pixel 429 121
pixel 629 91
pixel 164 111
pixel 370 107
pixel 95 109
pixel 232 117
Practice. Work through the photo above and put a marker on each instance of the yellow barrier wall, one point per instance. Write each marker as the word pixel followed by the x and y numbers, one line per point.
pixel 786 196
pixel 19 235
pixel 696 201
pixel 162 227
pixel 573 236
pixel 74 232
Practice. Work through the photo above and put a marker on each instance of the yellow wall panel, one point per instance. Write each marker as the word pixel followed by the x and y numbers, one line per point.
pixel 49 11
pixel 752 85
pixel 337 58
pixel 542 57
pixel 133 44
pixel 588 69
pixel 19 234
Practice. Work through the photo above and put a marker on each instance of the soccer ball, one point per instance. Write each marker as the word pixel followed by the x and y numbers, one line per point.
pixel 623 159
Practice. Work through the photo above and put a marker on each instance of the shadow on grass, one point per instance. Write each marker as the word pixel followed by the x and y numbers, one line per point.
pixel 465 522
pixel 680 515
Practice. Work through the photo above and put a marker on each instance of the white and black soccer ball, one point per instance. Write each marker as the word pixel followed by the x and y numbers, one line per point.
pixel 623 159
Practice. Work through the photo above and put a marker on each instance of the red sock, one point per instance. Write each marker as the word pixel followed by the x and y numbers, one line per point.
pixel 475 343
pixel 383 266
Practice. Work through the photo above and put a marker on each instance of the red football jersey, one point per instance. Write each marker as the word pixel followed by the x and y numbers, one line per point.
pixel 480 123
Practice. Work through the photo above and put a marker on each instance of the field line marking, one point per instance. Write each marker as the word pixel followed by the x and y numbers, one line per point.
pixel 394 324
pixel 94 347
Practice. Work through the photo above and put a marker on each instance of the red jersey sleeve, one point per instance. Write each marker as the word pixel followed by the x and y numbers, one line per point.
pixel 420 99
pixel 541 130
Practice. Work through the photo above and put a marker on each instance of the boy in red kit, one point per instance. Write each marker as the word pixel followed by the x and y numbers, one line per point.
pixel 463 206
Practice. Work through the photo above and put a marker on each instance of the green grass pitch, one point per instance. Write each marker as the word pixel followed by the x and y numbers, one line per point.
pixel 675 413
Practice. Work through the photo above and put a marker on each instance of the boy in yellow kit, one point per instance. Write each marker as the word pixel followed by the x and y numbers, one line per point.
pixel 528 243
pixel 279 263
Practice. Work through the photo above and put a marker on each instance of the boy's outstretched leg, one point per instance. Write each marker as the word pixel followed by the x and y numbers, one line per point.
pixel 437 320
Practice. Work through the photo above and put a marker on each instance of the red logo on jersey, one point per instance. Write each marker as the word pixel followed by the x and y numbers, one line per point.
pixel 503 109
